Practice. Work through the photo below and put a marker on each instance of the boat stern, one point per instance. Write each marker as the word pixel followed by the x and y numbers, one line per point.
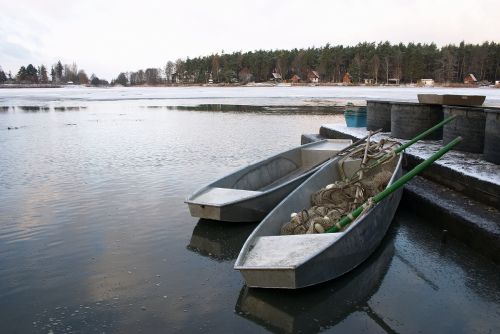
pixel 274 278
pixel 277 261
pixel 204 211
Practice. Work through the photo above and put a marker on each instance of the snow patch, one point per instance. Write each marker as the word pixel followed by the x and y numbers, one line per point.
pixel 470 164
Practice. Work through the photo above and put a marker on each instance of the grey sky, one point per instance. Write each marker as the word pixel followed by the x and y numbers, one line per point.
pixel 106 37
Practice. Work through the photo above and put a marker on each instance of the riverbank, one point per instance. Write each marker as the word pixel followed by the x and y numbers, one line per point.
pixel 11 86
pixel 265 84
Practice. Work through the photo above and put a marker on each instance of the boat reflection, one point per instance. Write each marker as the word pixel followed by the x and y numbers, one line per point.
pixel 218 240
pixel 316 308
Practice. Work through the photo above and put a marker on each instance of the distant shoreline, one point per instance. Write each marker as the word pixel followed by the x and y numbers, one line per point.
pixel 7 86
pixel 258 84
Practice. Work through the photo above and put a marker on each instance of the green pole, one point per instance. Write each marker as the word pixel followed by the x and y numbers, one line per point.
pixel 396 185
pixel 425 133
pixel 412 141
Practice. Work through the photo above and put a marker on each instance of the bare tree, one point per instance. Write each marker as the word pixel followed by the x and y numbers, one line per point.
pixel 375 67
pixel 169 70
pixel 83 79
pixel 216 66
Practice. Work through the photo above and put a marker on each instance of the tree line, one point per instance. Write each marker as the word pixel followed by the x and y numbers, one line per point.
pixel 59 74
pixel 379 62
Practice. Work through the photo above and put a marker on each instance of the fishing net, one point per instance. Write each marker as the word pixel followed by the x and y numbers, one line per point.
pixel 338 199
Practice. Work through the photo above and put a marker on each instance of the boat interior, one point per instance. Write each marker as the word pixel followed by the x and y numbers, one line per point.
pixel 269 174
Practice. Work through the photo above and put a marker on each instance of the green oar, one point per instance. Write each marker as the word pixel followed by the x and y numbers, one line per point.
pixel 425 133
pixel 409 143
pixel 396 185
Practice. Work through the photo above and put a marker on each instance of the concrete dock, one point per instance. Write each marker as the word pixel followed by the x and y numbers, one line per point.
pixel 460 193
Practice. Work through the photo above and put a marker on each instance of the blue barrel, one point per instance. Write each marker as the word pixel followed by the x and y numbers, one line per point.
pixel 355 118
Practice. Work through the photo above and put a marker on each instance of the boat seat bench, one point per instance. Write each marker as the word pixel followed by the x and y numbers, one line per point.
pixel 287 251
pixel 218 196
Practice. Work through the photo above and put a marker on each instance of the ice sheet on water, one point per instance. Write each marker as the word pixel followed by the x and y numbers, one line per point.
pixel 293 96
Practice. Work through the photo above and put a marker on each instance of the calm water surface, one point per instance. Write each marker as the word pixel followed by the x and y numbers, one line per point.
pixel 94 235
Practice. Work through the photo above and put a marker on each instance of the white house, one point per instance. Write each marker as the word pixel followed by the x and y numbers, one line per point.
pixel 427 82
pixel 313 76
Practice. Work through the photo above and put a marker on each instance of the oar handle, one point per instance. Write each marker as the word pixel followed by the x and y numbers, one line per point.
pixel 393 187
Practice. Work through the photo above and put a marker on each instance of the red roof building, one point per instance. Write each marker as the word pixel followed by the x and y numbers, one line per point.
pixel 295 78
pixel 470 79
pixel 347 79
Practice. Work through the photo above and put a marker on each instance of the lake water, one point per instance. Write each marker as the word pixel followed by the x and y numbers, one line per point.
pixel 95 237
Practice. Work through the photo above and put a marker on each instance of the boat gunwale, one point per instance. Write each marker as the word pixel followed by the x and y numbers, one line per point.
pixel 308 173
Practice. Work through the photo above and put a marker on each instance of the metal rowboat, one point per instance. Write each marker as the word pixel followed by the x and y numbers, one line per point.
pixel 250 193
pixel 270 260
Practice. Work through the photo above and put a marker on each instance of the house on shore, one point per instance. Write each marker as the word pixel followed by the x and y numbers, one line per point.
pixel 470 79
pixel 393 81
pixel 175 78
pixel 276 77
pixel 313 76
pixel 295 79
pixel 426 82
pixel 369 81
pixel 183 78
pixel 497 83
pixel 347 79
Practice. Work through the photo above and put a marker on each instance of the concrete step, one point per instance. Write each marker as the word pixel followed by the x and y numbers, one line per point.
pixel 472 222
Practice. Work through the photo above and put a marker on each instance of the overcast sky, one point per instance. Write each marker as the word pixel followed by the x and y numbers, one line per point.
pixel 106 37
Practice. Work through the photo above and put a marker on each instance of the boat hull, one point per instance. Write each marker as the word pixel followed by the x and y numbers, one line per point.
pixel 313 310
pixel 341 253
pixel 248 194
pixel 250 210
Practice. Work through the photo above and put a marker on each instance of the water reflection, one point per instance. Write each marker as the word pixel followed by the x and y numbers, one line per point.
pixel 33 108
pixel 319 307
pixel 220 241
pixel 270 109
pixel 92 220
pixel 70 108
pixel 422 252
